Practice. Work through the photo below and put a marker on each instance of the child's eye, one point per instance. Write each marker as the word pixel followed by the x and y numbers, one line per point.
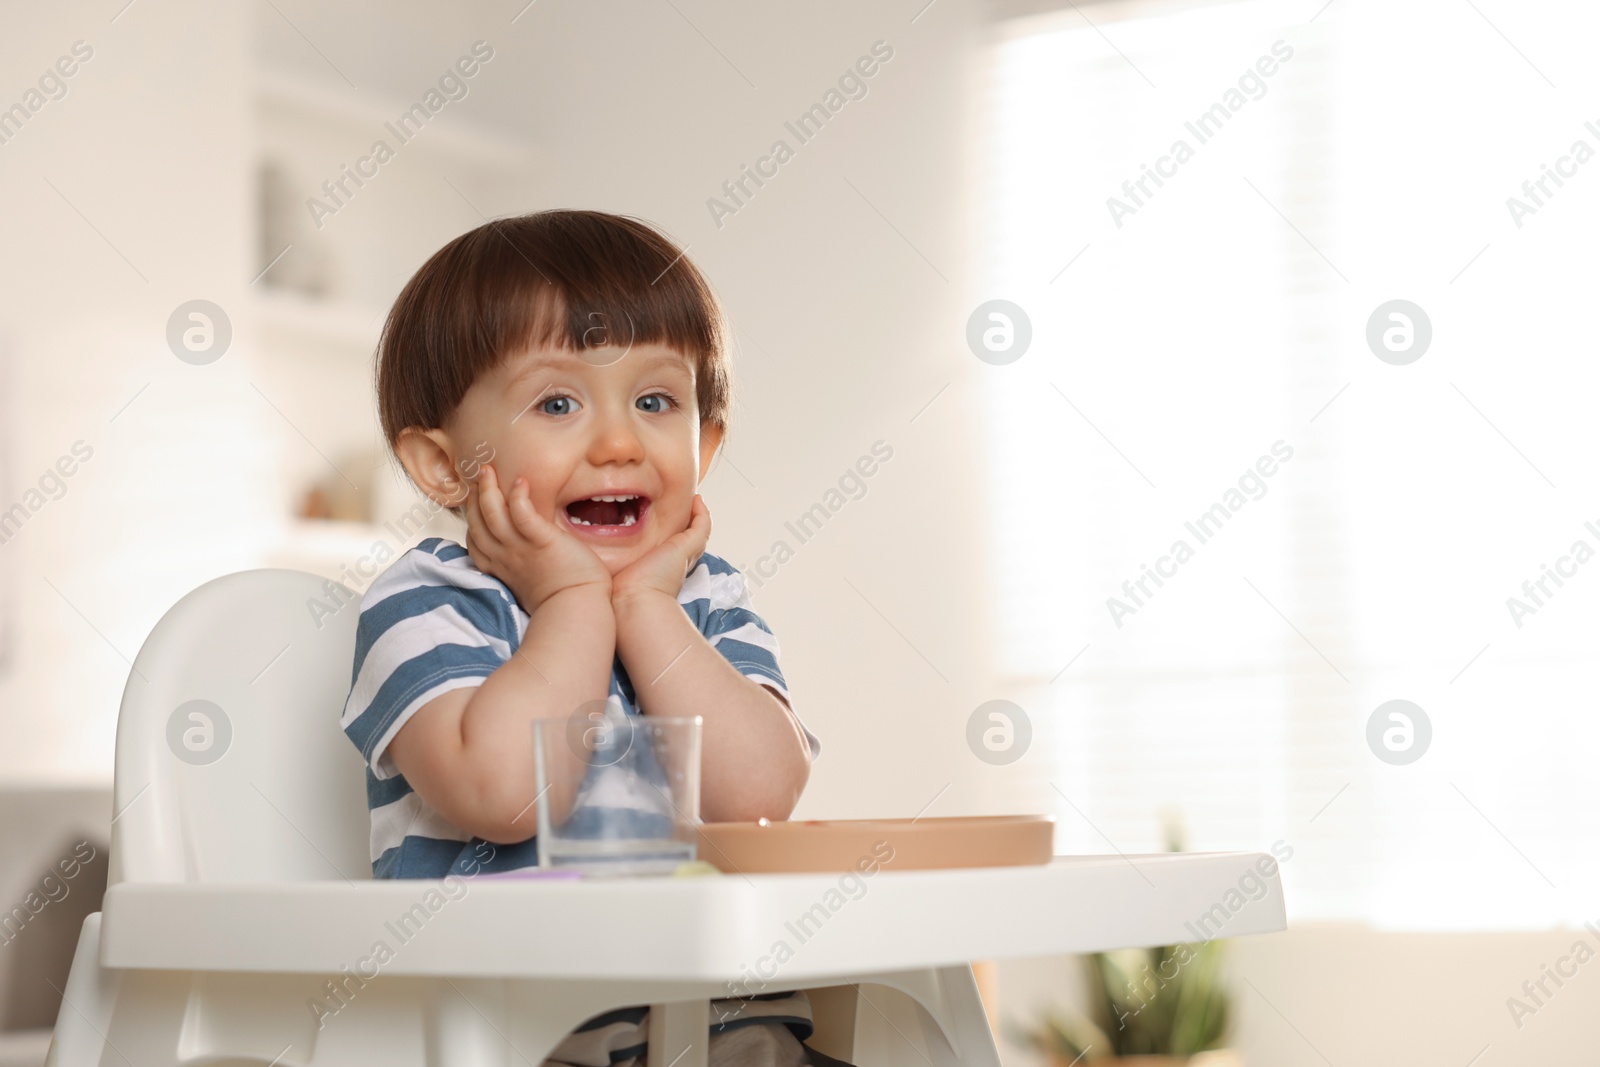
pixel 545 407
pixel 655 403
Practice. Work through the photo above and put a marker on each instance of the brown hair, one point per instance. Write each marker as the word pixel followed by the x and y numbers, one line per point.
pixel 551 277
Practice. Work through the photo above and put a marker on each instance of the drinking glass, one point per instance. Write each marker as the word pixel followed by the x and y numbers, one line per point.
pixel 619 794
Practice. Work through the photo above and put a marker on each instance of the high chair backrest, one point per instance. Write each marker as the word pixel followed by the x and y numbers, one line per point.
pixel 231 765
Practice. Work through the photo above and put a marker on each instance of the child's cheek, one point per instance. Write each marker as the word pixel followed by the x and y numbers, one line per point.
pixel 545 502
pixel 471 466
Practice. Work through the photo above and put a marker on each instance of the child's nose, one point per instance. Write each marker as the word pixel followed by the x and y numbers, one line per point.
pixel 616 438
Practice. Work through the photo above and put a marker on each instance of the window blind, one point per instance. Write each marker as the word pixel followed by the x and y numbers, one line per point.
pixel 1193 333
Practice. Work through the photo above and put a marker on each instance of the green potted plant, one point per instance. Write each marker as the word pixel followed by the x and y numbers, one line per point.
pixel 1148 1007
pixel 1151 1007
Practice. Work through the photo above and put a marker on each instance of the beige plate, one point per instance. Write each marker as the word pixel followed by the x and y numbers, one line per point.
pixel 894 844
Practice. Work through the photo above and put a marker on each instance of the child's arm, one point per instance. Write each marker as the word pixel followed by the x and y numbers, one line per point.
pixel 754 759
pixel 469 752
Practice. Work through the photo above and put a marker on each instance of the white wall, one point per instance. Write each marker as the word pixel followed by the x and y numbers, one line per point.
pixel 151 147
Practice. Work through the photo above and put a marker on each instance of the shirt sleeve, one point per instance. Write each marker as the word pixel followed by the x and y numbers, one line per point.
pixel 728 620
pixel 428 625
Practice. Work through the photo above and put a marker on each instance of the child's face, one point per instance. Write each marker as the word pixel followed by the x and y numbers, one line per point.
pixel 595 423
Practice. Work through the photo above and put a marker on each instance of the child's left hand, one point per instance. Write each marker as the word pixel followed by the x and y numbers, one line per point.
pixel 663 568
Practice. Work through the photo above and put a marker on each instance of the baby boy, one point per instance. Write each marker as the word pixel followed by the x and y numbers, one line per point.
pixel 561 381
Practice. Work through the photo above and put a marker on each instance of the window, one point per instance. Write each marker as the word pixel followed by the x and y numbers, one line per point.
pixel 1200 374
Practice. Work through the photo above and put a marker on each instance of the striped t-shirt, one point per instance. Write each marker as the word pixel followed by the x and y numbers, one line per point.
pixel 433 622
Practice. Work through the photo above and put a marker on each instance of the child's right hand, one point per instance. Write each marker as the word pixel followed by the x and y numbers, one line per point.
pixel 509 539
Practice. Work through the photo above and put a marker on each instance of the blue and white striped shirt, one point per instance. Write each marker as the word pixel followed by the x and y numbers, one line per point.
pixel 433 622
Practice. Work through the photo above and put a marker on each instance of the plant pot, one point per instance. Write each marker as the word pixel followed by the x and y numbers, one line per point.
pixel 1222 1057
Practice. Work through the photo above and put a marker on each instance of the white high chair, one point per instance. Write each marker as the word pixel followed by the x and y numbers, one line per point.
pixel 241 894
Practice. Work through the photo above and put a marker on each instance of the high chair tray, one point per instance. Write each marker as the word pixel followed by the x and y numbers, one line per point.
pixel 895 844
pixel 705 928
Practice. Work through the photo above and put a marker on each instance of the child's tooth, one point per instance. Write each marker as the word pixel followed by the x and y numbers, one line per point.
pixel 628 520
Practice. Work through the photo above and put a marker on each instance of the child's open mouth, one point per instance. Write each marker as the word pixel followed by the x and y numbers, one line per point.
pixel 610 515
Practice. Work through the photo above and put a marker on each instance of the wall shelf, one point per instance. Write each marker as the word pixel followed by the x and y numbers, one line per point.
pixel 363 115
pixel 319 309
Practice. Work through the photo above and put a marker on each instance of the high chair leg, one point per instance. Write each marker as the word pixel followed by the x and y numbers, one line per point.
pixel 79 1039
pixel 940 1019
pixel 833 1020
pixel 678 1033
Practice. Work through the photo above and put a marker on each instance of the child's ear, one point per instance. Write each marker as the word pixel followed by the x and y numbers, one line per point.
pixel 426 456
pixel 710 438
